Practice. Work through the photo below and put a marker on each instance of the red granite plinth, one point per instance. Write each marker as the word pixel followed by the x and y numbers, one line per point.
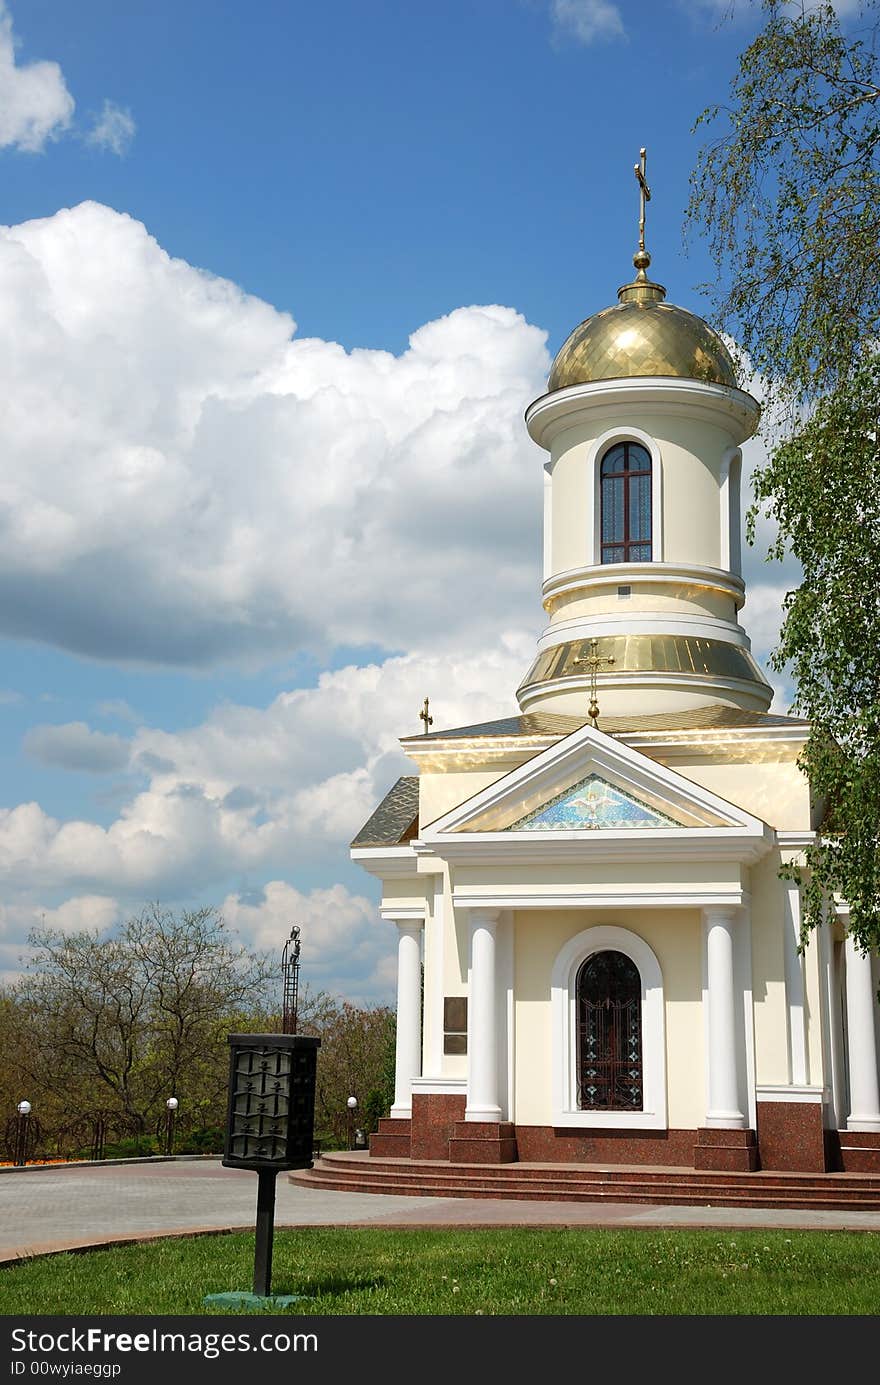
pixel 791 1136
pixel 730 1151
pixel 483 1142
pixel 393 1139
pixel 551 1144
pixel 859 1151
pixel 434 1115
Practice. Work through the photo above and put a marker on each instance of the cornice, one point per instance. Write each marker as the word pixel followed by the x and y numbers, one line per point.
pixel 575 579
pixel 597 847
pixel 736 411
pixel 386 862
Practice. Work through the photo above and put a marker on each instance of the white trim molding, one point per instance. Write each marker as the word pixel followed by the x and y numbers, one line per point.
pixel 439 1086
pixel 644 623
pixel 386 862
pixel 564 1033
pixel 731 477
pixel 722 405
pixel 574 580
pixel 801 1095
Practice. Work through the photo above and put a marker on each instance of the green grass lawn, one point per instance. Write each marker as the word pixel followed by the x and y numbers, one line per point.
pixel 520 1271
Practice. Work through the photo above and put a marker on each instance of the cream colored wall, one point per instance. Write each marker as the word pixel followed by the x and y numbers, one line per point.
pixel 675 936
pixel 570 508
pixel 455 958
pixel 646 877
pixel 691 453
pixel 816 1073
pixel 438 793
pixel 769 995
pixel 692 496
pixel 405 892
pixel 451 957
pixel 773 789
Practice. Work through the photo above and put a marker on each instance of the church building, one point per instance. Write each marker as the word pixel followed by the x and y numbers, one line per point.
pixel 598 960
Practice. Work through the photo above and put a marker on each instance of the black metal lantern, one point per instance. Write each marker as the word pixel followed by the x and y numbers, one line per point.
pixel 270 1125
pixel 271 1115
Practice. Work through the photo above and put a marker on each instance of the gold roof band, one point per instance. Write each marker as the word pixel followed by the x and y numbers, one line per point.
pixel 685 654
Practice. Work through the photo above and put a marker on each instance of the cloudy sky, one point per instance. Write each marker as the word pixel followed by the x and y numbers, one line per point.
pixel 277 283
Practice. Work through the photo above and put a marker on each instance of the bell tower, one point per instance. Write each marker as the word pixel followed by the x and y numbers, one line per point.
pixel 643 420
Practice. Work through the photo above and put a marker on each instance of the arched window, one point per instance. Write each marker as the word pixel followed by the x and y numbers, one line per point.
pixel 608 998
pixel 625 477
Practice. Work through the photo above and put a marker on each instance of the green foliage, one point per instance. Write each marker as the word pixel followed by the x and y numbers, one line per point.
pixel 356 1058
pixel 789 195
pixel 107 1027
pixel 524 1270
pixel 111 1026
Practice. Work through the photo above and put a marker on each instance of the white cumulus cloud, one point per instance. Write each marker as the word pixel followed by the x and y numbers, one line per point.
pixel 255 790
pixel 186 483
pixel 587 20
pixel 345 945
pixel 35 105
pixel 113 129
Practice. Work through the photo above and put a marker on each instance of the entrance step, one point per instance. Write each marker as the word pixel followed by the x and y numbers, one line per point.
pixel 653 1185
pixel 728 1150
pixel 483 1142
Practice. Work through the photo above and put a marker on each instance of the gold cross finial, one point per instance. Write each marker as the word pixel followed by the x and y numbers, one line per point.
pixel 593 662
pixel 644 195
pixel 423 716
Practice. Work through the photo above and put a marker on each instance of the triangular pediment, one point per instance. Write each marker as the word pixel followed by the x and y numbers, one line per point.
pixel 589 805
pixel 589 782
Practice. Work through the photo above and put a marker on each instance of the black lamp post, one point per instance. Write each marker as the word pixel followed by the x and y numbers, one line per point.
pixel 270 1125
pixel 352 1107
pixel 22 1131
pixel 171 1106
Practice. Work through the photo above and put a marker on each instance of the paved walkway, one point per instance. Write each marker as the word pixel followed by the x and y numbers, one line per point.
pixel 71 1206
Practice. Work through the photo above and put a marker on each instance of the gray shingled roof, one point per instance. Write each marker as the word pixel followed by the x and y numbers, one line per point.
pixel 396 817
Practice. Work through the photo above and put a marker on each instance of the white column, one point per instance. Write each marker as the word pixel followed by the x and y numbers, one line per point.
pixel 408 1062
pixel 482 1083
pixel 723 1112
pixel 795 989
pixel 864 1088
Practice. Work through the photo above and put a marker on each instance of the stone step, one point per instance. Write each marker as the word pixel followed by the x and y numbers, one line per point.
pixel 566 1173
pixel 654 1195
pixel 665 1186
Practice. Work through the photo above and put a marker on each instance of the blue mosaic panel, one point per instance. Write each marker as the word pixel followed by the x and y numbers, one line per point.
pixel 592 803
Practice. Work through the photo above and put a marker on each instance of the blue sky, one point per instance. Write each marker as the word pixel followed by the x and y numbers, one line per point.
pixel 278 281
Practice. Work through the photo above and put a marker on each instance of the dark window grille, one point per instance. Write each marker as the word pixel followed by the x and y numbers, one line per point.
pixel 625 482
pixel 609 1034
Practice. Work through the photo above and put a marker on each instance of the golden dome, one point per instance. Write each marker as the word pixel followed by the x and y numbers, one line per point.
pixel 642 335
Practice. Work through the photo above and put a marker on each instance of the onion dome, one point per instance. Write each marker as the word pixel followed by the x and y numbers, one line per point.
pixel 642 335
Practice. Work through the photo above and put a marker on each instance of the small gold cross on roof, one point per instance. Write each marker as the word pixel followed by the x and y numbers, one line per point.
pixel 594 661
pixel 424 716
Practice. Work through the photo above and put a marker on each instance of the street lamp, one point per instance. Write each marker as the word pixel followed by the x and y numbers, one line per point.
pixel 171 1106
pixel 21 1133
pixel 352 1107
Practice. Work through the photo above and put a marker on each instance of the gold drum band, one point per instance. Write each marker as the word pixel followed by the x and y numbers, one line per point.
pixel 684 654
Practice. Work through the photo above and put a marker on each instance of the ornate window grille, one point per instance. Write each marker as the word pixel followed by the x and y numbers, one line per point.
pixel 625 477
pixel 609 1034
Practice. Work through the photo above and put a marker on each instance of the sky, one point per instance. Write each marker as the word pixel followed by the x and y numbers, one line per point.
pixel 277 282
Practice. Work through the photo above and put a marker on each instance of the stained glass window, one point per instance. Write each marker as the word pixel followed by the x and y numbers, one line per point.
pixel 609 1032
pixel 625 482
pixel 591 803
